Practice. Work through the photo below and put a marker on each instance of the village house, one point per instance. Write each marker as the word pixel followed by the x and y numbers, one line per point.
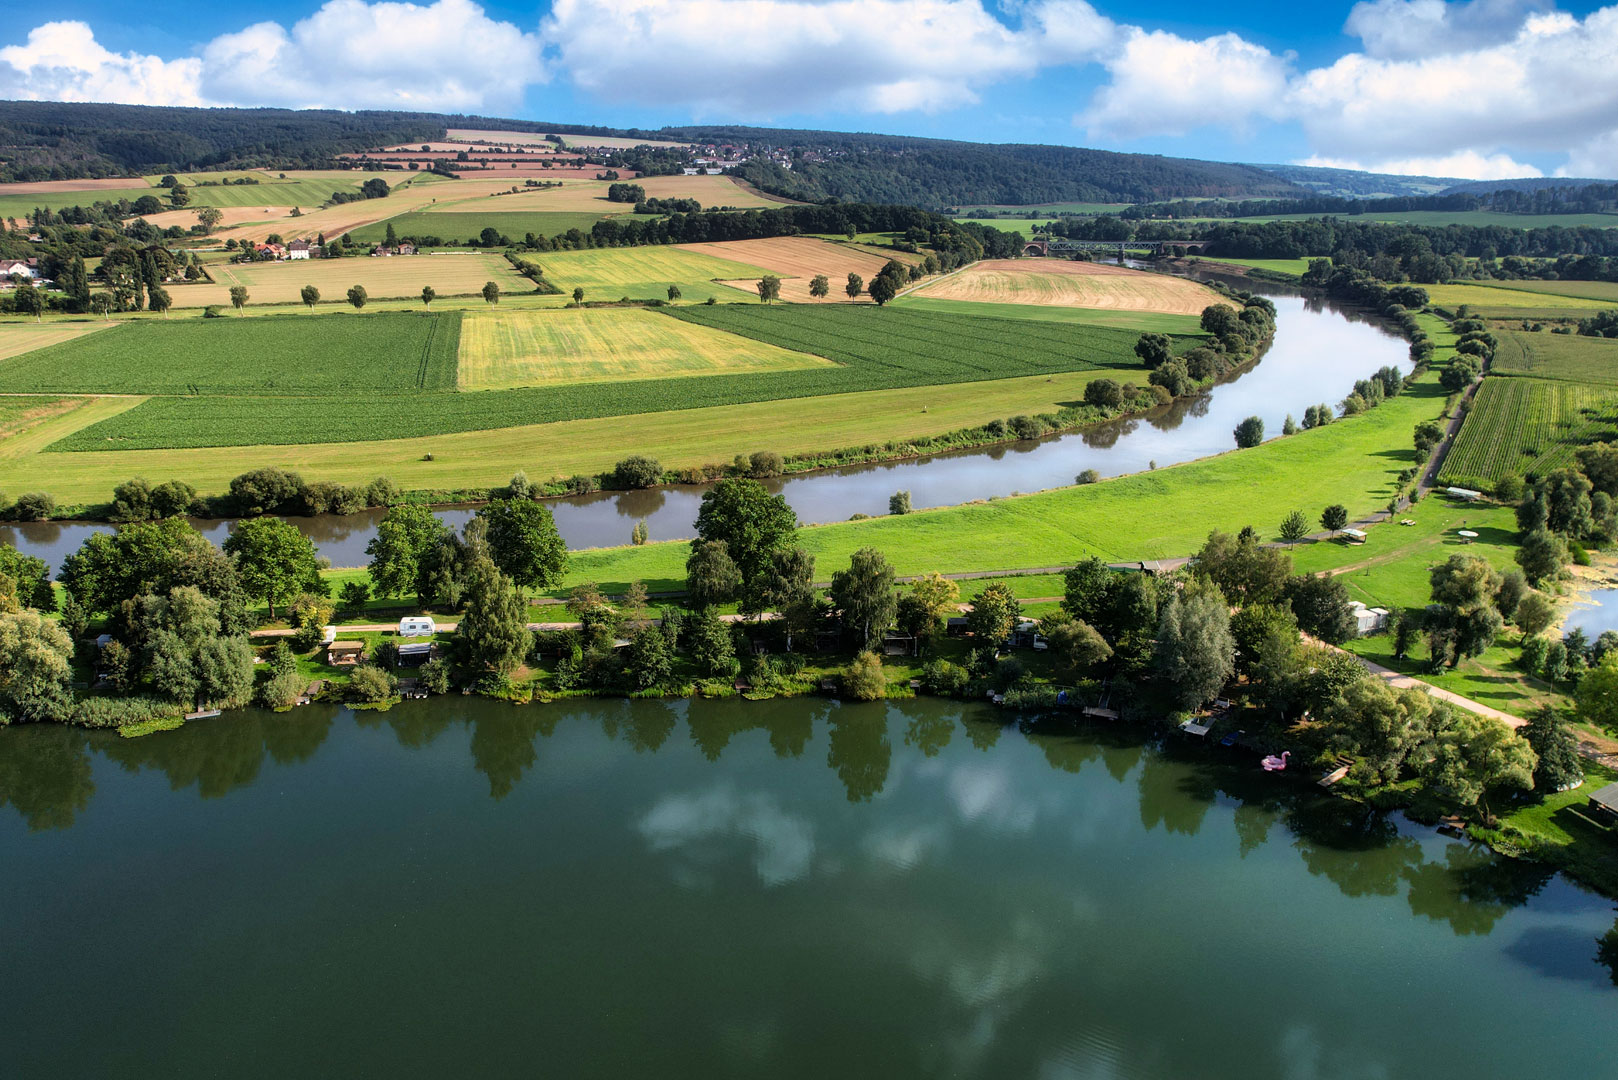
pixel 12 268
pixel 298 249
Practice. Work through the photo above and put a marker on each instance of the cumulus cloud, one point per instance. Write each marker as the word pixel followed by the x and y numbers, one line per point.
pixel 1405 29
pixel 784 844
pixel 1466 165
pixel 1552 85
pixel 350 55
pixel 347 55
pixel 1164 84
pixel 758 58
pixel 62 61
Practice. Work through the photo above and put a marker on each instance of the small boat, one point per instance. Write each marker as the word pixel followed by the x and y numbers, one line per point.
pixel 1231 737
pixel 1271 763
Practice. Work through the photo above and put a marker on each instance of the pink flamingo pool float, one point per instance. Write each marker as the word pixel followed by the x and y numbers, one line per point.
pixel 1276 764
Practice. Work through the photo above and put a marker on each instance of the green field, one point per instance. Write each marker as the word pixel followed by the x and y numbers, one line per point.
pixel 874 349
pixel 1022 225
pixel 459 228
pixel 1496 296
pixel 17 338
pixel 1603 291
pixel 1157 514
pixel 1556 356
pixel 1519 426
pixel 503 349
pixel 1083 208
pixel 643 273
pixel 275 355
pixel 1139 321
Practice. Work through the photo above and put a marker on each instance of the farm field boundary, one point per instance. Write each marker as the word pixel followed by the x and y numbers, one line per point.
pixel 1555 356
pixel 1517 426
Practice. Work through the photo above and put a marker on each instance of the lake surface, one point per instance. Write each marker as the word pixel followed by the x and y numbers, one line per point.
pixel 787 889
pixel 1596 613
pixel 1320 350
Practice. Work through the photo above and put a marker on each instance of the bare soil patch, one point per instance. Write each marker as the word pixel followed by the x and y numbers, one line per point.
pixel 1062 283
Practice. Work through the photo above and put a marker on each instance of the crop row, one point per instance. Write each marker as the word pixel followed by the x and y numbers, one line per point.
pixel 875 350
pixel 271 355
pixel 1522 426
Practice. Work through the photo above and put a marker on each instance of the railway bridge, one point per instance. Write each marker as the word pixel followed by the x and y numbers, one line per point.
pixel 1121 247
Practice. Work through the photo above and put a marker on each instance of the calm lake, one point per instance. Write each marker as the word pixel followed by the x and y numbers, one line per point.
pixel 1320 349
pixel 788 889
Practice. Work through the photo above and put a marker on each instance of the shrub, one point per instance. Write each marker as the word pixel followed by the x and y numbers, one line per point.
pixel 281 691
pixel 1249 432
pixel 765 463
pixel 945 678
pixel 581 484
pixel 637 472
pixel 1009 672
pixel 864 680
pixel 1025 427
pixel 1088 476
pixel 434 676
pixel 1103 393
pixel 33 506
pixel 371 685
pixel 899 503
pixel 381 492
pixel 1030 697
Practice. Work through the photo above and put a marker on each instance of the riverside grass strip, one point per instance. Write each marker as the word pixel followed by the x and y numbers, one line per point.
pixel 1518 426
pixel 872 348
pixel 274 355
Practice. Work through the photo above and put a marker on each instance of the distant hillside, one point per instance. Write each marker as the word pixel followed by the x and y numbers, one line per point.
pixel 1353 184
pixel 937 173
pixel 1536 183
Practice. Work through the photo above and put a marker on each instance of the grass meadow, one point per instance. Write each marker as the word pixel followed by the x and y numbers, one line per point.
pixel 1138 321
pixel 1498 297
pixel 503 349
pixel 643 273
pixel 1556 356
pixel 22 337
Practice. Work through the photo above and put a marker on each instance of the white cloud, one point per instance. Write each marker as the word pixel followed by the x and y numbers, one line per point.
pixel 1465 165
pixel 1551 86
pixel 354 55
pixel 1164 84
pixel 1406 29
pixel 757 58
pixel 784 843
pixel 62 61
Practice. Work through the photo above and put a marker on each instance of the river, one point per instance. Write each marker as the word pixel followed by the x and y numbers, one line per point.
pixel 1320 349
pixel 460 887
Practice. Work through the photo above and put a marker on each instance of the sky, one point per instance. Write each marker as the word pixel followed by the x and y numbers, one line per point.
pixel 1483 89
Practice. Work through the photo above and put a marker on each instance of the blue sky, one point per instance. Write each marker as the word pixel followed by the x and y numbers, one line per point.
pixel 1482 88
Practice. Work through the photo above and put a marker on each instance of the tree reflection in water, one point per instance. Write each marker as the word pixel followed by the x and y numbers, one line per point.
pixel 46 777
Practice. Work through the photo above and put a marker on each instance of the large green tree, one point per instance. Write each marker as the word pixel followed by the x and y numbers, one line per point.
pixel 753 524
pixel 494 625
pixel 274 560
pixel 864 594
pixel 524 543
pixel 36 672
pixel 1195 651
pixel 1472 755
pixel 994 614
pixel 401 542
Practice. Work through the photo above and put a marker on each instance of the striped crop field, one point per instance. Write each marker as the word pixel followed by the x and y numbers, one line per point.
pixel 502 349
pixel 1519 426
pixel 1556 356
pixel 279 355
pixel 870 349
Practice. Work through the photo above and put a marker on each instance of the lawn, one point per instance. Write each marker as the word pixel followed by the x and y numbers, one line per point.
pixel 17 338
pixel 1523 425
pixel 501 349
pixel 1138 321
pixel 873 349
pixel 457 273
pixel 1064 283
pixel 281 355
pixel 1156 514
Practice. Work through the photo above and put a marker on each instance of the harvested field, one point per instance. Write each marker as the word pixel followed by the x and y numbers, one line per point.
pixel 17 338
pixel 336 220
pixel 274 355
pixel 475 135
pixel 612 143
pixel 796 260
pixel 19 414
pixel 231 216
pixel 460 228
pixel 1498 296
pixel 502 349
pixel 591 195
pixel 1061 283
pixel 47 187
pixel 449 274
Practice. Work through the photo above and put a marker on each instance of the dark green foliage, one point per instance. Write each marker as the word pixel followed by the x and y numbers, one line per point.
pixel 1320 603
pixel 524 543
pixel 711 575
pixel 1249 432
pixel 1559 764
pixel 864 595
pixel 637 472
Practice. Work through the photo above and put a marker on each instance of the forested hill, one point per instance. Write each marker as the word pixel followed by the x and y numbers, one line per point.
pixel 938 173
